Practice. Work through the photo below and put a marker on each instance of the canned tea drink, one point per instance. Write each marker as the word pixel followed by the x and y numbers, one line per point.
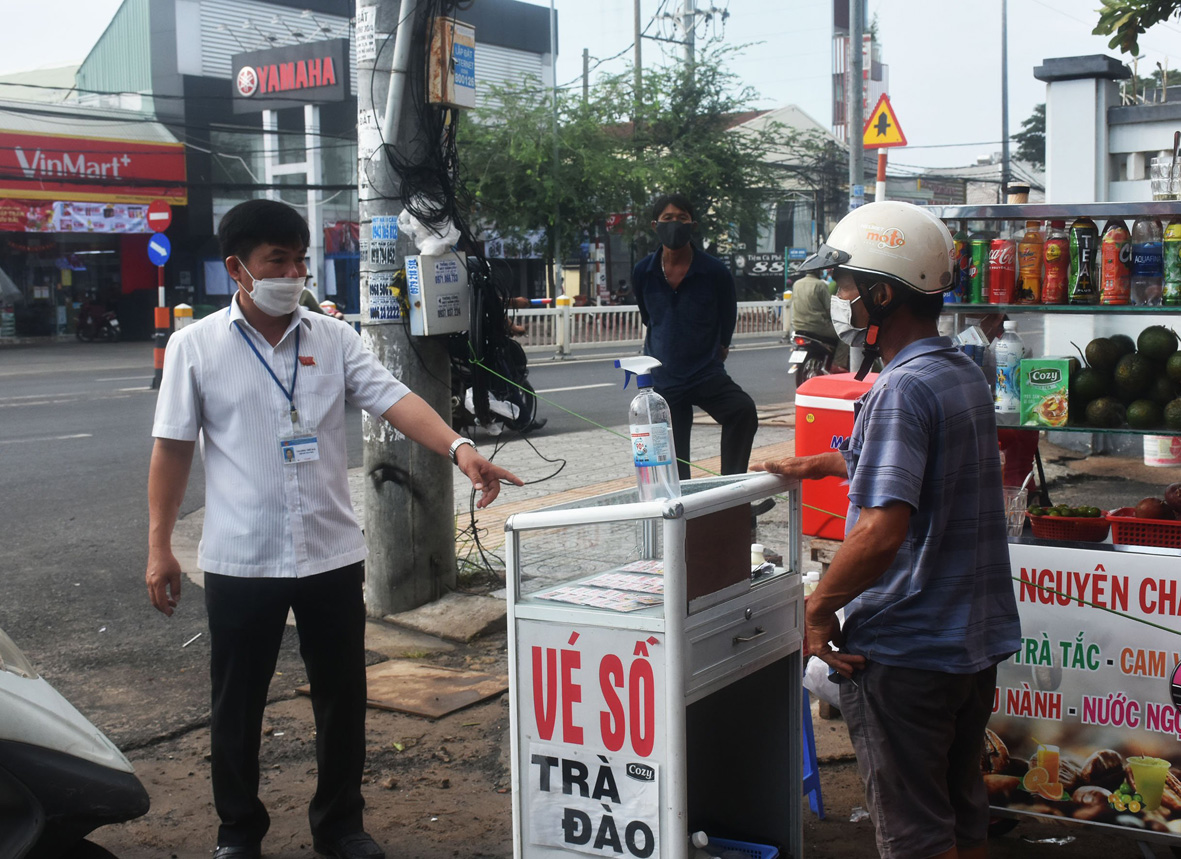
pixel 978 269
pixel 1084 253
pixel 1115 279
pixel 1002 271
pixel 1172 252
pixel 1056 255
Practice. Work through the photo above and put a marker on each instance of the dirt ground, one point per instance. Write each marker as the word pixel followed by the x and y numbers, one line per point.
pixel 439 789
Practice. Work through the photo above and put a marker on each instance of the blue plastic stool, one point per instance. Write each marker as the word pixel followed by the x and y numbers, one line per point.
pixel 811 770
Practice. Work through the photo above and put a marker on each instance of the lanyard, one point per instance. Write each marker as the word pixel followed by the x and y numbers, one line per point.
pixel 290 395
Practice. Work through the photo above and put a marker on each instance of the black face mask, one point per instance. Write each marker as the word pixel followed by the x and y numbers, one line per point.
pixel 674 235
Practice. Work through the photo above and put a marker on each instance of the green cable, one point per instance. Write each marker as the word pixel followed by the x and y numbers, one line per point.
pixel 1094 605
pixel 486 368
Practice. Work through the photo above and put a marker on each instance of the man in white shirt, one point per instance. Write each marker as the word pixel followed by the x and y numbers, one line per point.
pixel 264 384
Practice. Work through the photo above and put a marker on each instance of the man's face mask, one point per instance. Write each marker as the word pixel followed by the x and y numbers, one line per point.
pixel 674 235
pixel 842 320
pixel 275 296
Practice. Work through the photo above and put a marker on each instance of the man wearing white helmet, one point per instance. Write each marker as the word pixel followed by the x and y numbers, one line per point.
pixel 923 573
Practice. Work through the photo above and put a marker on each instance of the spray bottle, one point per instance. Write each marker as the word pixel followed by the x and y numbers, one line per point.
pixel 651 433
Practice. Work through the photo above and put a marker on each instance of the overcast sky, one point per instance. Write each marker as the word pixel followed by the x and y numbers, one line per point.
pixel 943 55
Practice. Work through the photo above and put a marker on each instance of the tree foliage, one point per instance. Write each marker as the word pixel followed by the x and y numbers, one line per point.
pixel 682 140
pixel 1126 20
pixel 1031 139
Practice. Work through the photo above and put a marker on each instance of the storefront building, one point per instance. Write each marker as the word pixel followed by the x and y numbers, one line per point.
pixel 180 63
pixel 75 184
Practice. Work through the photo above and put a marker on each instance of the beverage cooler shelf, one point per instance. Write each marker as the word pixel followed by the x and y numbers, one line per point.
pixel 1049 211
pixel 1077 309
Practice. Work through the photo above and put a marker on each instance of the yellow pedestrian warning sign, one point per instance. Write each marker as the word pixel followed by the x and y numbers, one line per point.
pixel 882 129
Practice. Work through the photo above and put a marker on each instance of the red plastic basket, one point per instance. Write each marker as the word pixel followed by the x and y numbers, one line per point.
pixel 1127 530
pixel 1084 529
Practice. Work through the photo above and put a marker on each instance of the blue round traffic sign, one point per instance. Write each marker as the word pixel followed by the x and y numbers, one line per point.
pixel 159 249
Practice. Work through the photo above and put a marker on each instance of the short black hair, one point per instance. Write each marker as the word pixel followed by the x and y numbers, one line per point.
pixel 261 222
pixel 924 305
pixel 665 200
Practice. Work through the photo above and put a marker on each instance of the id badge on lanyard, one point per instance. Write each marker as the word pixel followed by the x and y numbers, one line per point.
pixel 300 443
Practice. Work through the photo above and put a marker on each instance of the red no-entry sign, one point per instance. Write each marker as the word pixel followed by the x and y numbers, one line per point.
pixel 159 215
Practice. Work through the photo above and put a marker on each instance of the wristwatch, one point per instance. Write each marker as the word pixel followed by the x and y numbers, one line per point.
pixel 453 451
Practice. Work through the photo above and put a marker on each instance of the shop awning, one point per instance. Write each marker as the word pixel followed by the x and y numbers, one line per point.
pixel 86 154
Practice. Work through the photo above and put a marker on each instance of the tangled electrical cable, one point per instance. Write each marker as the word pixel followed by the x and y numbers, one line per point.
pixel 428 171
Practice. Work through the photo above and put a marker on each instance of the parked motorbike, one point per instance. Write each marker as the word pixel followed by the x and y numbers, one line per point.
pixel 489 370
pixel 811 356
pixel 60 777
pixel 95 322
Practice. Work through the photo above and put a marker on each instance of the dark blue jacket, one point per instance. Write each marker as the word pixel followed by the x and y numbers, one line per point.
pixel 689 325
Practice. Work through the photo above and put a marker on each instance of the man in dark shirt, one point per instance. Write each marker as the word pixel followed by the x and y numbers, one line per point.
pixel 687 300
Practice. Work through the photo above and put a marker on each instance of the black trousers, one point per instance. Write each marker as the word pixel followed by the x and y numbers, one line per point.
pixel 729 405
pixel 246 622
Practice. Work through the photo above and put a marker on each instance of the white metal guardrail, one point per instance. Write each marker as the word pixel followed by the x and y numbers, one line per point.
pixel 561 330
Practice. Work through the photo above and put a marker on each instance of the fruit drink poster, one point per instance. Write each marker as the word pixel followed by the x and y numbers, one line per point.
pixel 1086 724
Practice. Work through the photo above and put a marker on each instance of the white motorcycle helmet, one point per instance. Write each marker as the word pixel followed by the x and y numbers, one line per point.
pixel 897 240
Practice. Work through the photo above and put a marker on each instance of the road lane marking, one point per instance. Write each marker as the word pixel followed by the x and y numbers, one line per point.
pixel 575 388
pixel 43 438
pixel 43 396
pixel 126 379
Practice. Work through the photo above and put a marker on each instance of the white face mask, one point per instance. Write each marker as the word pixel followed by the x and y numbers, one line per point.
pixel 275 296
pixel 841 311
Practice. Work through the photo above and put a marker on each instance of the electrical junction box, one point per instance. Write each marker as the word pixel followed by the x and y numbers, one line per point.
pixel 451 64
pixel 438 294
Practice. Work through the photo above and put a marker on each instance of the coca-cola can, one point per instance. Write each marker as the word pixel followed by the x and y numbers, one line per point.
pixel 1002 271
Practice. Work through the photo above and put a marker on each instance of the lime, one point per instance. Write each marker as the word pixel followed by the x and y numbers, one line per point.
pixel 1173 367
pixel 1102 354
pixel 1156 343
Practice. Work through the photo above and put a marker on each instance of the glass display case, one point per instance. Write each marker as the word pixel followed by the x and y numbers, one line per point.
pixel 655 673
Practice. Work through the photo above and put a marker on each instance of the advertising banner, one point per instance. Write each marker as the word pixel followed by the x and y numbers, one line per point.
pixel 32 216
pixel 1085 720
pixel 590 706
pixel 90 169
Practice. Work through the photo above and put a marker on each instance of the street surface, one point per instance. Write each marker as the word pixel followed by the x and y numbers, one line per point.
pixel 74 444
pixel 74 449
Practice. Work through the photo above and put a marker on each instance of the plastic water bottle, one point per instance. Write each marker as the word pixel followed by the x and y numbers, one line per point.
pixel 651 423
pixel 1008 351
pixel 698 846
pixel 1147 262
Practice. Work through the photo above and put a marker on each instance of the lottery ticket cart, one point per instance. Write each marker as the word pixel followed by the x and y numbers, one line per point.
pixel 655 677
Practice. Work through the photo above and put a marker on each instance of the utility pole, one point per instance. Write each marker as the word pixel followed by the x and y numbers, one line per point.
pixel 1004 100
pixel 585 75
pixel 559 275
pixel 637 66
pixel 409 502
pixel 689 23
pixel 856 95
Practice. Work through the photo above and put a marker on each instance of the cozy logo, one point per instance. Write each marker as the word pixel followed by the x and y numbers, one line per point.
pixel 641 772
pixel 1050 376
pixel 247 81
pixel 69 165
pixel 889 237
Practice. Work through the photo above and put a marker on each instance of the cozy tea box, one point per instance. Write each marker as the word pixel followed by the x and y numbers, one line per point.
pixel 1045 390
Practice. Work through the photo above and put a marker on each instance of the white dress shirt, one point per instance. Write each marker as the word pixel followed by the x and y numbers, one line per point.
pixel 265 518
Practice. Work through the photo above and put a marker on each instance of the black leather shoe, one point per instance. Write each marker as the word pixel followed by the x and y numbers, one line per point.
pixel 762 507
pixel 236 851
pixel 358 845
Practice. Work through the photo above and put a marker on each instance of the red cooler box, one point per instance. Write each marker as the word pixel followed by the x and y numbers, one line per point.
pixel 824 419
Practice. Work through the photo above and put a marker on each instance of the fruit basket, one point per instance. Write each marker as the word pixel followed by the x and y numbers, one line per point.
pixel 1088 529
pixel 1128 530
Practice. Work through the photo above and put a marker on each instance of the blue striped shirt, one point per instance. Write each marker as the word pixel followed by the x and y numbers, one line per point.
pixel 925 434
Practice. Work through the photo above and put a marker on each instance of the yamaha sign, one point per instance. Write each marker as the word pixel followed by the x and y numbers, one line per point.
pixel 291 76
